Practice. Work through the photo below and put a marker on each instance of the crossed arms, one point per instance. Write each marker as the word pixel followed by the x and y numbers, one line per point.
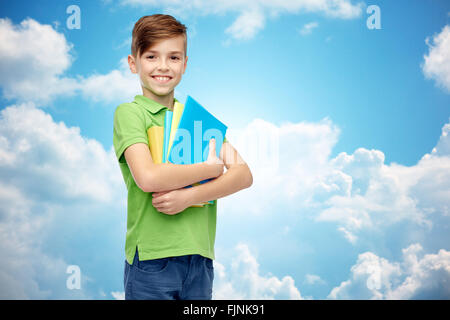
pixel 166 180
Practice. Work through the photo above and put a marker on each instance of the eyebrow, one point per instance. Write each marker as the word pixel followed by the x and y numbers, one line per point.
pixel 171 52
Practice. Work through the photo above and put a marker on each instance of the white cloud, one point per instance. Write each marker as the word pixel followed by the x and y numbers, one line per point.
pixel 443 146
pixel 33 58
pixel 243 280
pixel 247 24
pixel 367 200
pixel 436 64
pixel 358 192
pixel 308 28
pixel 118 85
pixel 36 72
pixel 379 194
pixel 253 14
pixel 50 160
pixel 313 279
pixel 118 295
pixel 416 277
pixel 286 162
pixel 55 186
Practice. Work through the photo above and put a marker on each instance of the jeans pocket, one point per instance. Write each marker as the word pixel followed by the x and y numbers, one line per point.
pixel 153 266
pixel 209 263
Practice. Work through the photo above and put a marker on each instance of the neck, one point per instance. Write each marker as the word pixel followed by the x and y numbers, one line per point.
pixel 166 100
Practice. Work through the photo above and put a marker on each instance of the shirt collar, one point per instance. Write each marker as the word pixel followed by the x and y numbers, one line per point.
pixel 149 104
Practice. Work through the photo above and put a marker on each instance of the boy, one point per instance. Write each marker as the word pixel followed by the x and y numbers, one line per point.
pixel 169 244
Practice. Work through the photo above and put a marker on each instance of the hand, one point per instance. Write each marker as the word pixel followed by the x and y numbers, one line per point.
pixel 215 162
pixel 171 202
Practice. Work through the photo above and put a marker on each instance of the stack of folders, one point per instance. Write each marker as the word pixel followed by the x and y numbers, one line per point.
pixel 184 139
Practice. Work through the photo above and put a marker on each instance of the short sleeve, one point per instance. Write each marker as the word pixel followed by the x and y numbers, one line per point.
pixel 129 128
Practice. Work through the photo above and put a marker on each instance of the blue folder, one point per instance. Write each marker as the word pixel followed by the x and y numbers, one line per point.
pixel 197 126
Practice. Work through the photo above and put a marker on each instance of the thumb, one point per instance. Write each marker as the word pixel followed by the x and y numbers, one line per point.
pixel 212 145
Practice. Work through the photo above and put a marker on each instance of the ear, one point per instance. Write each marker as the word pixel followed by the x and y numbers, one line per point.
pixel 132 63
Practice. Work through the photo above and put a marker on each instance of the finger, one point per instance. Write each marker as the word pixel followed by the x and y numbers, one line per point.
pixel 158 200
pixel 164 207
pixel 169 212
pixel 160 208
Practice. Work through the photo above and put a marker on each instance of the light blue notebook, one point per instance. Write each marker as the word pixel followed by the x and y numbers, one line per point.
pixel 167 124
pixel 197 126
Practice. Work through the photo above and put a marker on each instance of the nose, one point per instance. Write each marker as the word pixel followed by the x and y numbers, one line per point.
pixel 163 65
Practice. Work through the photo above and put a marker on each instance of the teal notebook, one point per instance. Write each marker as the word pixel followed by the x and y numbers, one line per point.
pixel 167 124
pixel 197 126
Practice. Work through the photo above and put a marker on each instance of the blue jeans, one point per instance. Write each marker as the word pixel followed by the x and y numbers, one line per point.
pixel 187 277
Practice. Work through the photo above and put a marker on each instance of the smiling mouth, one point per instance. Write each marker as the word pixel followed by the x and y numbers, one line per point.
pixel 162 79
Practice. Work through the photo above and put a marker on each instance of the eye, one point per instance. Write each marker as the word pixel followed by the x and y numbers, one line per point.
pixel 175 58
pixel 150 57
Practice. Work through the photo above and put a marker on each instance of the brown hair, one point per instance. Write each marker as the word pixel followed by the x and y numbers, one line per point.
pixel 149 30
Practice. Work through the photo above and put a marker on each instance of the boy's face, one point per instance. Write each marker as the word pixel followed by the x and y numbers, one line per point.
pixel 160 67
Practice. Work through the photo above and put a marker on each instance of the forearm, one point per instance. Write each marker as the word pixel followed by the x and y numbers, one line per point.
pixel 169 176
pixel 233 180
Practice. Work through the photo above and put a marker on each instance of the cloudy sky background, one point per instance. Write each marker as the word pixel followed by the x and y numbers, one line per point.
pixel 346 130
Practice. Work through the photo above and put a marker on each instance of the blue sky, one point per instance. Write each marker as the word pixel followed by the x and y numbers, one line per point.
pixel 360 193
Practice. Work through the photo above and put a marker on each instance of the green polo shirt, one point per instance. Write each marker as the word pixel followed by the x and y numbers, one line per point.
pixel 155 234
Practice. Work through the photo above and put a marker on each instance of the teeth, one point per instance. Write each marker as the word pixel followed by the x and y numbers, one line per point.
pixel 162 78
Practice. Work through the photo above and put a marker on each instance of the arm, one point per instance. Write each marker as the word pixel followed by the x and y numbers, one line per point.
pixel 151 177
